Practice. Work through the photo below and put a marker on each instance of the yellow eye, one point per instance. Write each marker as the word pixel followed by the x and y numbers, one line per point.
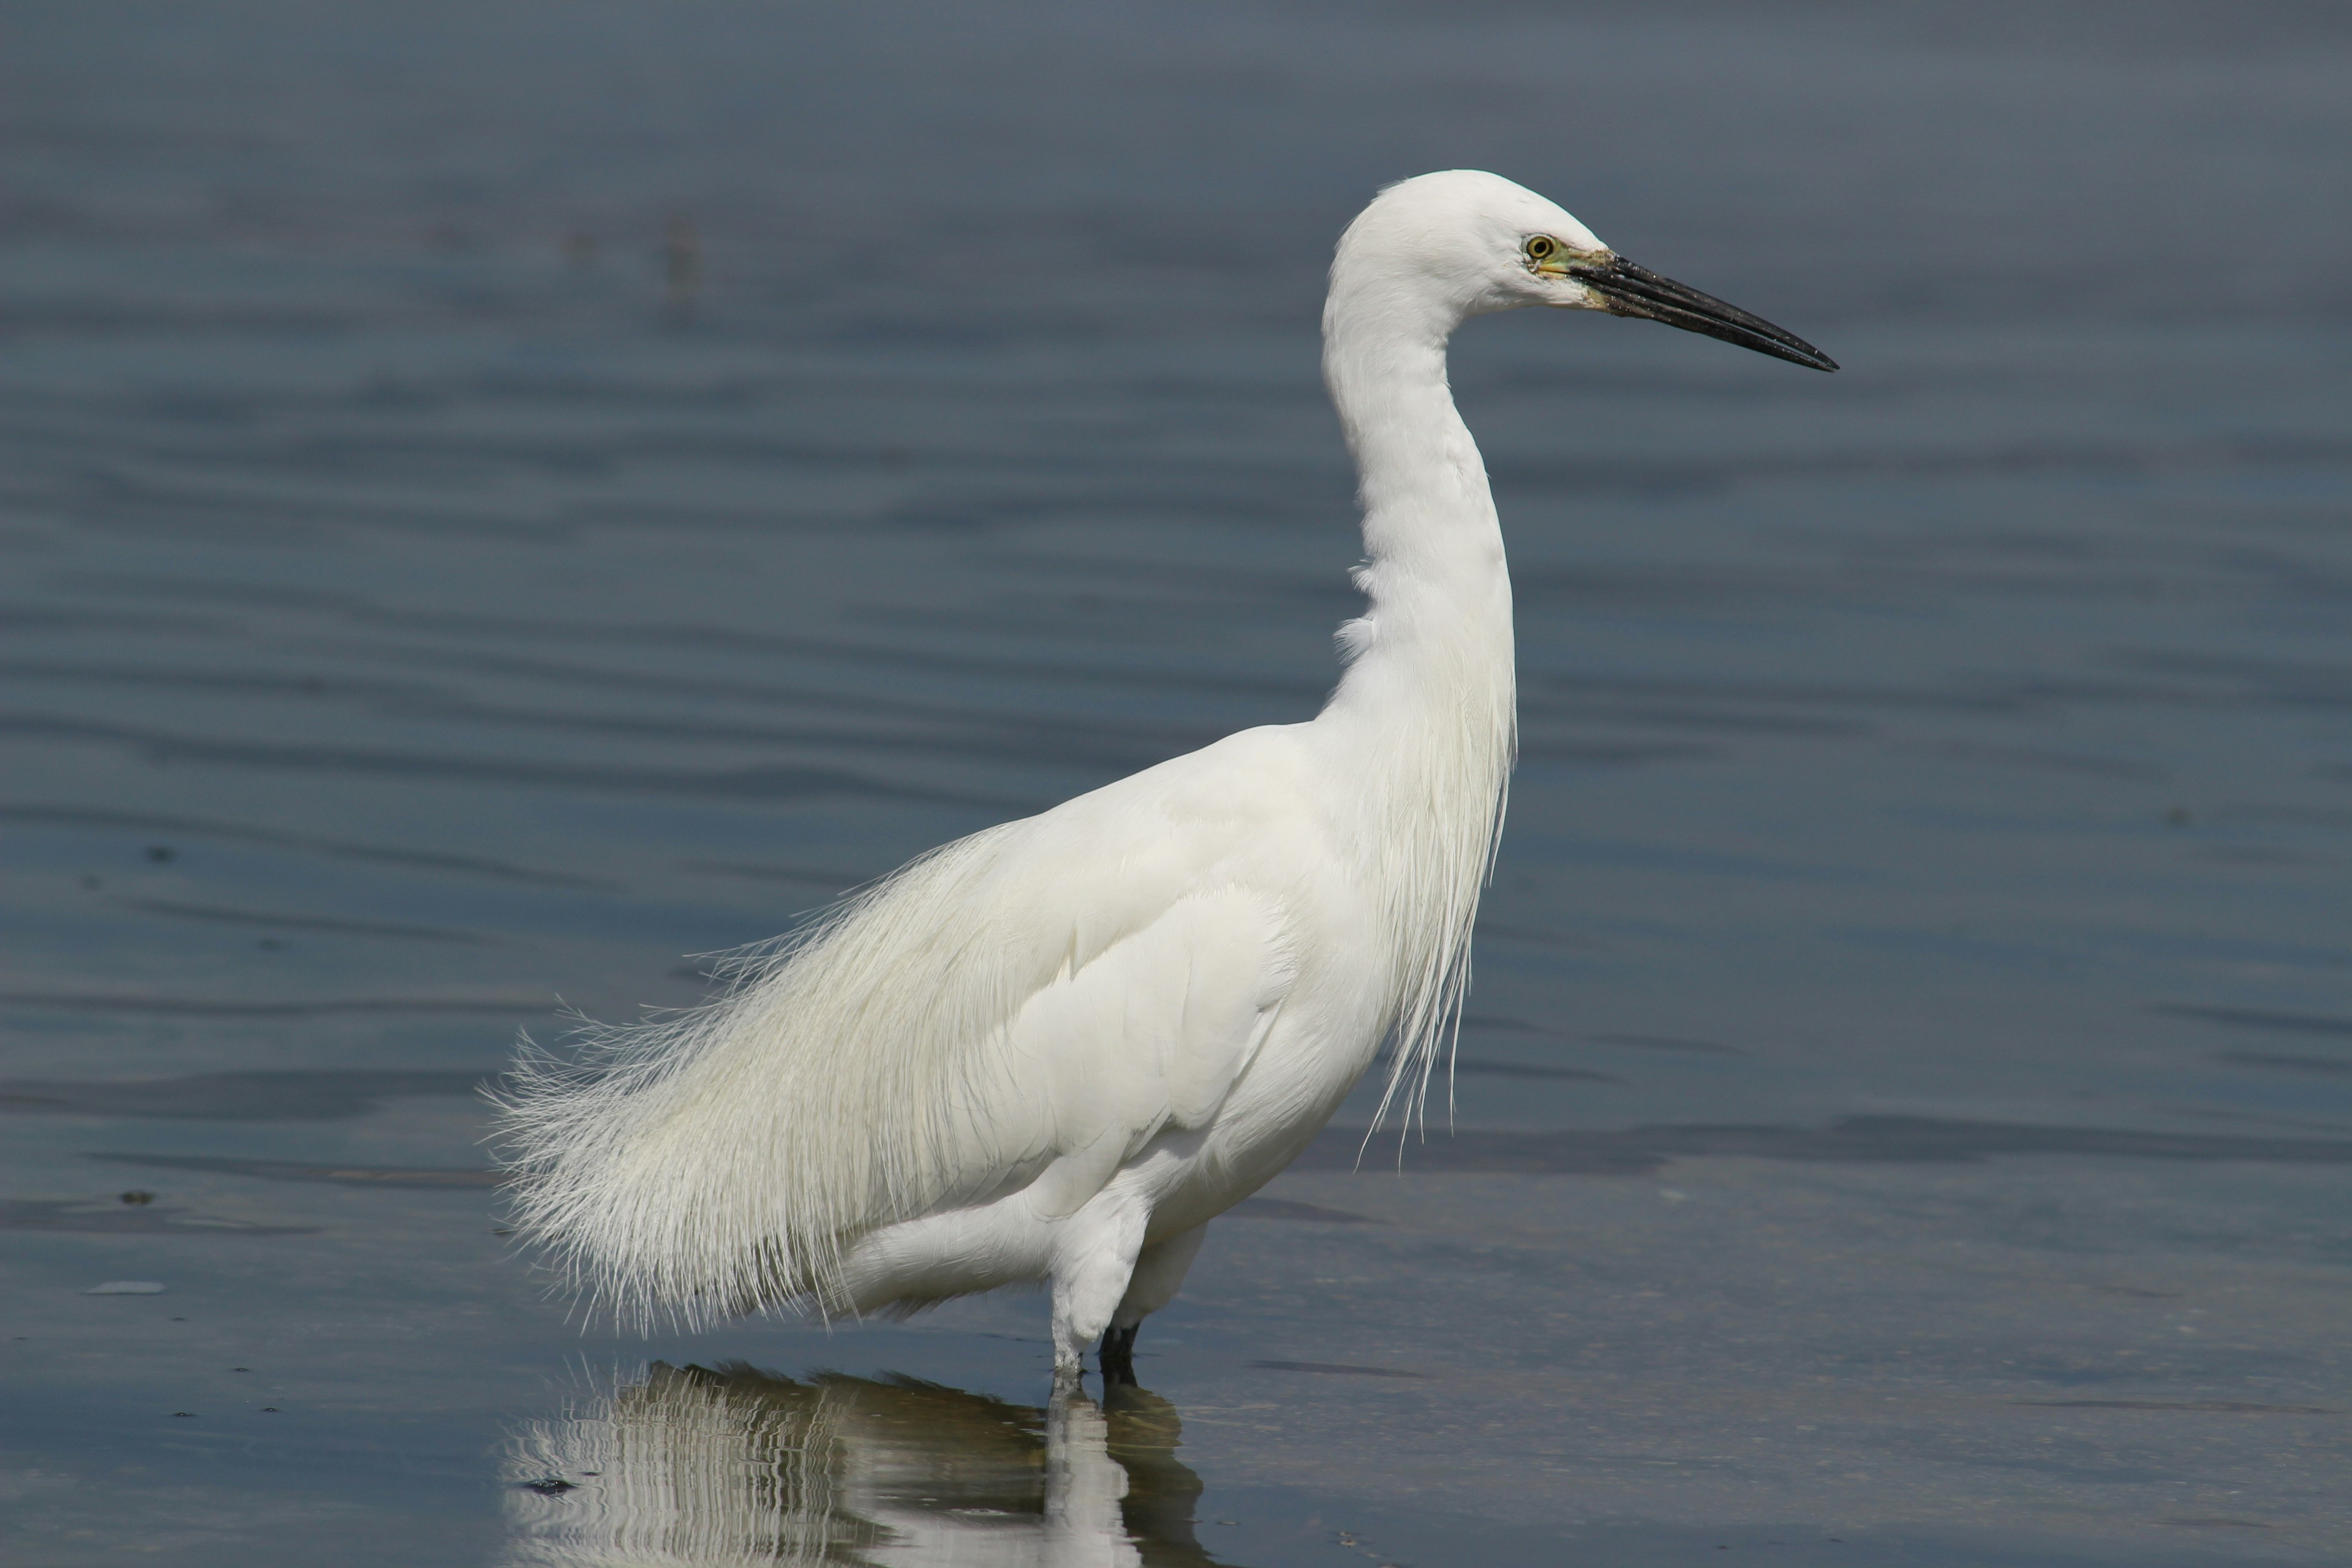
pixel 1540 248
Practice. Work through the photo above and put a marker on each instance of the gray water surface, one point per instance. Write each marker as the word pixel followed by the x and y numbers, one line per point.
pixel 499 497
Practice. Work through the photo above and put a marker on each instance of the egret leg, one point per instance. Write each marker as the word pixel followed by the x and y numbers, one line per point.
pixel 1158 1274
pixel 1117 1356
pixel 1094 1258
pixel 1160 1270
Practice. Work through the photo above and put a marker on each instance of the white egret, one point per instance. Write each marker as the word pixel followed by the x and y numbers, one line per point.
pixel 1056 1049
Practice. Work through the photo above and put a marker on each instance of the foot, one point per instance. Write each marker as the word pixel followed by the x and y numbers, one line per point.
pixel 1118 1355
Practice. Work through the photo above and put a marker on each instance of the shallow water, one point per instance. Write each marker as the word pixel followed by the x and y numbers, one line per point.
pixel 500 497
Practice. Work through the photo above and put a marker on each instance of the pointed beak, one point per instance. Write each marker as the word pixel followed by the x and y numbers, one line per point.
pixel 1629 291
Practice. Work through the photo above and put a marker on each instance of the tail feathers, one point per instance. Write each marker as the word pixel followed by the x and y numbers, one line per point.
pixel 712 1161
pixel 608 1182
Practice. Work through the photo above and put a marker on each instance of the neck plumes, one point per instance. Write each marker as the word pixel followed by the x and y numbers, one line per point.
pixel 1428 698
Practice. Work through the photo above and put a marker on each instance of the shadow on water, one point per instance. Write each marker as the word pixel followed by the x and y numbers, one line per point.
pixel 734 1465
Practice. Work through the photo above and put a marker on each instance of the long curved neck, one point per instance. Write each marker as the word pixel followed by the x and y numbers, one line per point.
pixel 1425 718
pixel 1437 630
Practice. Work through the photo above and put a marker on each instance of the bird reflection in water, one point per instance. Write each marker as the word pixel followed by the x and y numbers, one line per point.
pixel 738 1465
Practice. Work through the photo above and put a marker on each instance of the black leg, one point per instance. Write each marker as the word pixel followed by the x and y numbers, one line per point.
pixel 1118 1355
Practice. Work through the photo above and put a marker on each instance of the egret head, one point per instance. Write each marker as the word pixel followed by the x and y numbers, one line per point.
pixel 1471 242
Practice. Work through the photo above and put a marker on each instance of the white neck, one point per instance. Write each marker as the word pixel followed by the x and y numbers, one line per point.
pixel 1428 696
pixel 1438 627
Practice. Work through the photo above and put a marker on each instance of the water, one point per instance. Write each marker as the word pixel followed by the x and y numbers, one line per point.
pixel 500 497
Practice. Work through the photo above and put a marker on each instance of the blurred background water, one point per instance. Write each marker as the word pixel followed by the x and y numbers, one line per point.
pixel 500 497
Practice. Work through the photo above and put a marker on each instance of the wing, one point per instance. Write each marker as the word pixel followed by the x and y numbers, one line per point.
pixel 1149 1034
pixel 1154 926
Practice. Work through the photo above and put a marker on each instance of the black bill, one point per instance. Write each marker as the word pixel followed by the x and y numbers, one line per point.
pixel 1632 290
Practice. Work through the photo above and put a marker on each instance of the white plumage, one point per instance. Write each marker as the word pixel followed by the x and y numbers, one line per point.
pixel 1055 1050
